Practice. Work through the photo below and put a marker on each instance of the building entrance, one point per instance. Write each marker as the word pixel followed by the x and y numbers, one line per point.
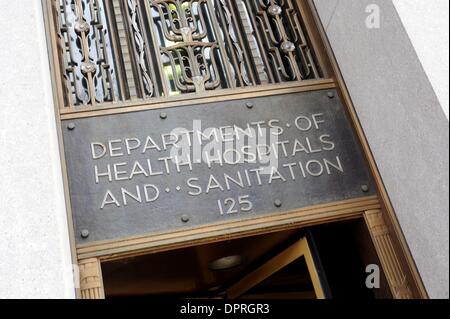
pixel 327 261
pixel 202 144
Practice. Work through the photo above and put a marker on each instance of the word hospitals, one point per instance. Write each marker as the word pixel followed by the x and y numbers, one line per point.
pixel 224 146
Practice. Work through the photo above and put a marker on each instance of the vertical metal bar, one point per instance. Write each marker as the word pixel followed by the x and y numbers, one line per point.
pixel 251 44
pixel 123 47
pixel 101 55
pixel 259 41
pixel 139 75
pixel 285 38
pixel 227 39
pixel 151 64
pixel 56 12
pixel 221 45
pixel 235 15
pixel 158 63
pixel 109 13
pixel 308 57
pixel 86 64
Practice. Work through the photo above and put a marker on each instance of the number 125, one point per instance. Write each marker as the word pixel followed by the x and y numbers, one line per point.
pixel 231 206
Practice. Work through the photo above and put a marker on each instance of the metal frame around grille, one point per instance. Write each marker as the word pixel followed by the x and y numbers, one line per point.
pixel 113 51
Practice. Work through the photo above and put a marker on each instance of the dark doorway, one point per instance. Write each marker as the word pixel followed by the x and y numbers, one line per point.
pixel 269 266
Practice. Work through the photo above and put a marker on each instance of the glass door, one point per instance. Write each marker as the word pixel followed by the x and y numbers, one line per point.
pixel 283 276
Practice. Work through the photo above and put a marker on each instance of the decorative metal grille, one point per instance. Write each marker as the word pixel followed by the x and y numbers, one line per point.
pixel 126 50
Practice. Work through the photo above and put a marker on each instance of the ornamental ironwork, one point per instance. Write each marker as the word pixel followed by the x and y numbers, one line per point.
pixel 114 51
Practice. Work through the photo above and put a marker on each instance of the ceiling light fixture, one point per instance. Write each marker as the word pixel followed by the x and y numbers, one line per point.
pixel 227 263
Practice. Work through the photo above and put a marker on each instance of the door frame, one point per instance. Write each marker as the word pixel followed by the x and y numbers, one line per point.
pixel 299 249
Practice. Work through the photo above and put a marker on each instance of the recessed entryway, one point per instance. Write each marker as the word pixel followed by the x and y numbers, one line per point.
pixel 326 261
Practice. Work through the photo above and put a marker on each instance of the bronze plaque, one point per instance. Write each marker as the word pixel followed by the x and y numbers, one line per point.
pixel 164 170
